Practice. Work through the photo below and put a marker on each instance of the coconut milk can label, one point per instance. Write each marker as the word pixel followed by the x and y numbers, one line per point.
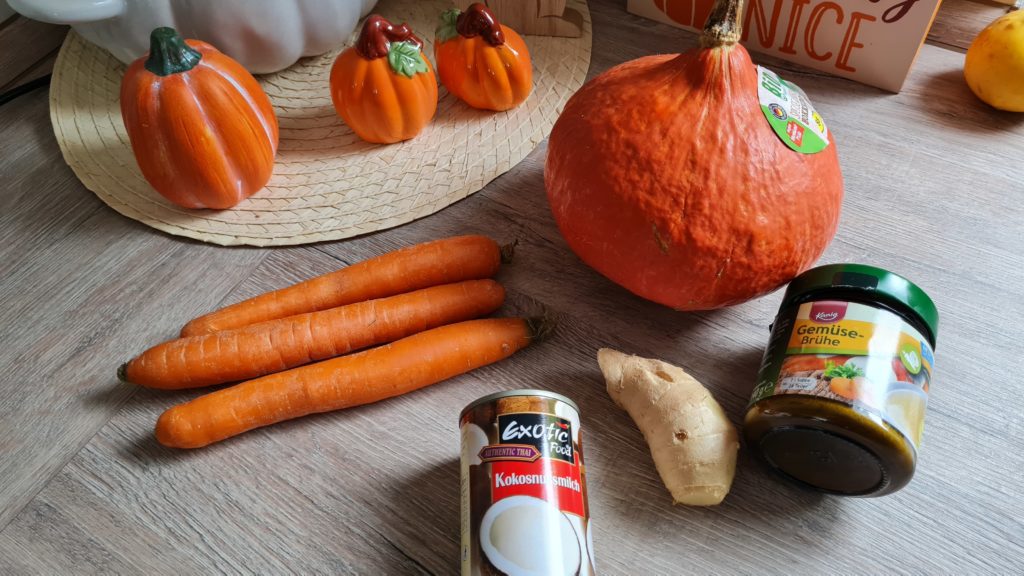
pixel 524 491
pixel 535 457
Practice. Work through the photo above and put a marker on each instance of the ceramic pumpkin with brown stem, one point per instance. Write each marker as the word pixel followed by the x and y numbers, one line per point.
pixel 665 175
pixel 383 87
pixel 480 61
pixel 202 129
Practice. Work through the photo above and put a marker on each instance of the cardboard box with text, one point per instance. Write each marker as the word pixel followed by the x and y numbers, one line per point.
pixel 870 41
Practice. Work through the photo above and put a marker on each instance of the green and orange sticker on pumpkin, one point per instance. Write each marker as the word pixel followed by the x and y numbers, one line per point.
pixel 790 113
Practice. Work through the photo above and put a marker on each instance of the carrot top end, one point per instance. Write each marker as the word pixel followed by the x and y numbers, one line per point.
pixel 508 251
pixel 122 373
pixel 540 327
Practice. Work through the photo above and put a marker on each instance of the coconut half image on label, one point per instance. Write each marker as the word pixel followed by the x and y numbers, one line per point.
pixel 790 114
pixel 524 500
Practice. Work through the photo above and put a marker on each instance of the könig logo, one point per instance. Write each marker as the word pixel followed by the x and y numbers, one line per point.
pixel 828 312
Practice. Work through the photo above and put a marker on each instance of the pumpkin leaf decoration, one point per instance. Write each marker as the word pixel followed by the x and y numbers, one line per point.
pixel 405 58
pixel 447 30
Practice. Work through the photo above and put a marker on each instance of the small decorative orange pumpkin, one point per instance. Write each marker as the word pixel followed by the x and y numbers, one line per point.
pixel 384 87
pixel 664 174
pixel 480 61
pixel 202 129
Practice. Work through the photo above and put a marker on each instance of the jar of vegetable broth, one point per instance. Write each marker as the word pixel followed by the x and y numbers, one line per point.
pixel 841 394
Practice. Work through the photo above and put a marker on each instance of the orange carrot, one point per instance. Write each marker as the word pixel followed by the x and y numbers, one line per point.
pixel 375 374
pixel 420 266
pixel 276 345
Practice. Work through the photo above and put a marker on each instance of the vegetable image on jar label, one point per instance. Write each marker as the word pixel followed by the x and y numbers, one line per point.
pixel 524 506
pixel 866 357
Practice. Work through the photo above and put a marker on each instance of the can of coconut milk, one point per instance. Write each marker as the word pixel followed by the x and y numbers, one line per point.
pixel 524 490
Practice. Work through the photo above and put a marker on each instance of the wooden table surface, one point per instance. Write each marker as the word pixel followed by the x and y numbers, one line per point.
pixel 933 191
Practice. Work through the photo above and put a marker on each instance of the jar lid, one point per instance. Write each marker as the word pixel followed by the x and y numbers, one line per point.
pixel 824 461
pixel 881 284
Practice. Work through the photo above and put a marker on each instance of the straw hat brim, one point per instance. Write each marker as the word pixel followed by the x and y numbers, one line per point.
pixel 327 183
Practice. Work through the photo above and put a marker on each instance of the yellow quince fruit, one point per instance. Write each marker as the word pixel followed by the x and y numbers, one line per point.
pixel 994 68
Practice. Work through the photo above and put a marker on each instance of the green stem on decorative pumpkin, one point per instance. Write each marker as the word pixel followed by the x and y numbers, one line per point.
pixel 169 54
pixel 724 26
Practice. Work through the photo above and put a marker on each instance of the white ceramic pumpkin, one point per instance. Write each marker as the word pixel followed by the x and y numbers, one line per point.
pixel 264 35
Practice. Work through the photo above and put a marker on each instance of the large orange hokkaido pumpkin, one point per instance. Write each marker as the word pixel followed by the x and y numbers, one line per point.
pixel 665 176
pixel 202 129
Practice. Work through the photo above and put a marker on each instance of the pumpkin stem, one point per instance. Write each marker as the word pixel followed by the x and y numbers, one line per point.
pixel 724 26
pixel 169 54
pixel 377 35
pixel 478 20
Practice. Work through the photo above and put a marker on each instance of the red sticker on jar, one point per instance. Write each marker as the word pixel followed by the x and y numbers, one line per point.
pixel 827 311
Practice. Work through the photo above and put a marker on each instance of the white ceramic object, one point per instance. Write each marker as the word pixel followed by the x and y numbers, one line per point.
pixel 264 35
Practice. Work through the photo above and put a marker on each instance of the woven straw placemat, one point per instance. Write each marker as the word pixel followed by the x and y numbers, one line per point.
pixel 327 184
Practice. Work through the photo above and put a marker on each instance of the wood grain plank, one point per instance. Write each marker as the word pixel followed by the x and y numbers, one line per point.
pixel 930 194
pixel 41 68
pixel 959 21
pixel 378 483
pixel 279 517
pixel 335 462
pixel 75 276
pixel 23 43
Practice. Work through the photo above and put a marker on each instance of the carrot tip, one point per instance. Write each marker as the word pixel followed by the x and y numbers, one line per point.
pixel 508 251
pixel 122 373
pixel 541 327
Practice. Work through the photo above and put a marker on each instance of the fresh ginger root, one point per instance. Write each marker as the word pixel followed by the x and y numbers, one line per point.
pixel 692 442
